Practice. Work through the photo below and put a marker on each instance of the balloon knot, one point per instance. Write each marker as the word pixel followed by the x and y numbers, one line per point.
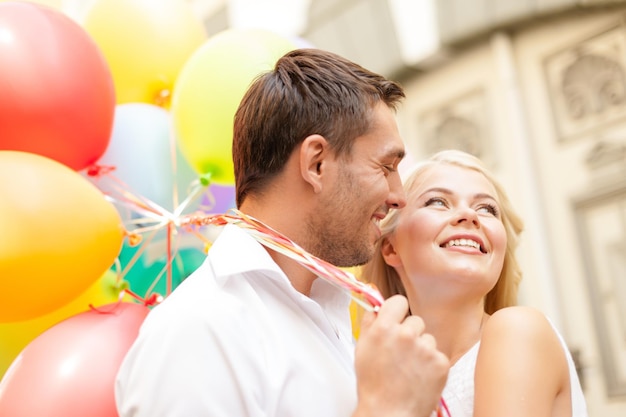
pixel 134 239
pixel 162 97
pixel 121 285
pixel 153 300
pixel 205 180
pixel 99 170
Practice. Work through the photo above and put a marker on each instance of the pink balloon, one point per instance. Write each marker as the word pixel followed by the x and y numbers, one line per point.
pixel 69 370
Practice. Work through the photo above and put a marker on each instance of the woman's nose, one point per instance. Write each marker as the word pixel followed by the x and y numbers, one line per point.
pixel 465 214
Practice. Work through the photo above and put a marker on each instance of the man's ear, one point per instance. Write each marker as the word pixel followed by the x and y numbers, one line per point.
pixel 313 153
pixel 389 253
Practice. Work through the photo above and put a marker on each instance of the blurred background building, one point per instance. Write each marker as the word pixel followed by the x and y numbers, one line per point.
pixel 537 89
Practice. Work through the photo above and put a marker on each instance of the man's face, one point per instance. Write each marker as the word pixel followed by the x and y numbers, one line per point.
pixel 345 229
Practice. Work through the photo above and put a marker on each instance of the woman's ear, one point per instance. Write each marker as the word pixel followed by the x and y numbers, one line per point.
pixel 389 253
pixel 313 154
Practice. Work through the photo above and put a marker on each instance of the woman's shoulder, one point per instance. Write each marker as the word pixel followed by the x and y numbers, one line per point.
pixel 519 319
pixel 520 346
pixel 523 330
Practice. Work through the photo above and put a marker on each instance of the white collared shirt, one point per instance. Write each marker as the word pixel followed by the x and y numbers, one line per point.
pixel 236 339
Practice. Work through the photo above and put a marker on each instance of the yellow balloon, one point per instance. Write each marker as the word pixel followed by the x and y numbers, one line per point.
pixel 59 234
pixel 209 89
pixel 14 337
pixel 356 310
pixel 146 43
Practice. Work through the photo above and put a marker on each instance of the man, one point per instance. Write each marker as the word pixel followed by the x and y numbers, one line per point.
pixel 253 332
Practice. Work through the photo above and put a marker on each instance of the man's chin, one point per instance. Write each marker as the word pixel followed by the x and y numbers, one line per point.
pixel 363 257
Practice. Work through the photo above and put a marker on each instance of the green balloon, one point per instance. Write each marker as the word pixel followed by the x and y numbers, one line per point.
pixel 208 91
pixel 149 275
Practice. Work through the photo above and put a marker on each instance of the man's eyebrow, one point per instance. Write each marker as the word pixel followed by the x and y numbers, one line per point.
pixel 397 153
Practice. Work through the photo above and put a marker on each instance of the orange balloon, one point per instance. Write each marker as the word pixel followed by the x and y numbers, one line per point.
pixel 59 235
pixel 15 336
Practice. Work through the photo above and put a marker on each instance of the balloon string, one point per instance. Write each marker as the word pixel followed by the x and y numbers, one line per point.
pixel 142 204
pixel 365 295
pixel 172 146
pixel 170 231
pixel 196 190
pixel 138 253
pixel 122 193
pixel 443 407
pixel 152 218
pixel 163 271
pixel 121 283
pixel 207 243
pixel 148 302
pixel 148 208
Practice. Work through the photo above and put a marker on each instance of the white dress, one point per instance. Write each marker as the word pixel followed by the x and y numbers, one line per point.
pixel 459 390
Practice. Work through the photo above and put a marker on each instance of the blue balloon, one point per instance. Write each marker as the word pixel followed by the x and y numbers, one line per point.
pixel 146 157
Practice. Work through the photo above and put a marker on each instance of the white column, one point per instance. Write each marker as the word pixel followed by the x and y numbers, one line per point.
pixel 416 28
pixel 519 137
pixel 284 17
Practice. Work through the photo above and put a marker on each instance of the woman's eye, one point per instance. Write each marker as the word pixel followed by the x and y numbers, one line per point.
pixel 489 208
pixel 436 201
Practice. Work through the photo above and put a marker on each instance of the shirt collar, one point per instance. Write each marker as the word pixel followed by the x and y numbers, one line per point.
pixel 236 252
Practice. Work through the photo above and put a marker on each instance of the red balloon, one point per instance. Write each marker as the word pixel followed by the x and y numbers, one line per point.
pixel 69 370
pixel 57 96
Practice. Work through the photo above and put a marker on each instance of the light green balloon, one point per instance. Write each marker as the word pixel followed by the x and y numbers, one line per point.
pixel 209 90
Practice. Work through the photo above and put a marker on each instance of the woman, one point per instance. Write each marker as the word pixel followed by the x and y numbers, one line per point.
pixel 451 252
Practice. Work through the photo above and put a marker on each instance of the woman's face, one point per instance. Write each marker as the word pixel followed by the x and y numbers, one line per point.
pixel 449 232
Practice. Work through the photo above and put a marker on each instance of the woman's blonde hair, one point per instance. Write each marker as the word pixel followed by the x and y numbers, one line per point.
pixel 504 293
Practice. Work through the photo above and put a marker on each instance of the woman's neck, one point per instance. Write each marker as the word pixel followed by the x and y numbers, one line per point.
pixel 456 329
